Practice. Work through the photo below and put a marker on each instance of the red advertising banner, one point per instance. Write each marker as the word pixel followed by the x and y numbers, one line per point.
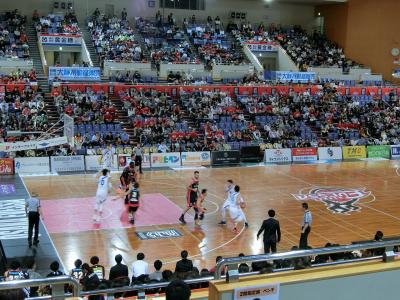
pixel 304 151
pixel 6 166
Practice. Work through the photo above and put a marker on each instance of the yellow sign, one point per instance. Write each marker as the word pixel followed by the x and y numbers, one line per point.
pixel 354 152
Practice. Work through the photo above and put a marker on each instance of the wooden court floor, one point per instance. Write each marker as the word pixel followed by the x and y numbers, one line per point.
pixel 370 188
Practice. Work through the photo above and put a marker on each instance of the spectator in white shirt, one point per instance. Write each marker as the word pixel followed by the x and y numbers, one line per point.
pixel 140 267
pixel 162 148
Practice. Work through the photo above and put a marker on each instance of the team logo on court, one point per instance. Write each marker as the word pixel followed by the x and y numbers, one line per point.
pixel 337 200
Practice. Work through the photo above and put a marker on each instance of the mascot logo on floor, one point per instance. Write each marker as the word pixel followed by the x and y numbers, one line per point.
pixel 337 200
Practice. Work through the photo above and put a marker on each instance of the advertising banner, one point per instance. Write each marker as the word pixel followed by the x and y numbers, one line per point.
pixel 67 163
pixel 354 152
pixel 93 163
pixel 298 77
pixel 159 160
pixel 158 234
pixel 75 73
pixel 378 151
pixel 125 159
pixel 6 166
pixel 18 146
pixel 395 150
pixel 329 153
pixel 60 39
pixel 219 158
pixel 196 158
pixel 263 46
pixel 32 165
pixel 304 154
pixel 52 142
pixel 260 292
pixel 278 155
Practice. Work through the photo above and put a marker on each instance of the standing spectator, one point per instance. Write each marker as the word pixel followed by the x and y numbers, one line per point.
pixel 177 290
pixel 32 209
pixel 119 270
pixel 185 264
pixel 305 226
pixel 140 267
pixel 157 275
pixel 124 14
pixel 272 232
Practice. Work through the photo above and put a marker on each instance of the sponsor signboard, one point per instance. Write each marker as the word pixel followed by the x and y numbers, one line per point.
pixel 300 77
pixel 278 155
pixel 75 73
pixel 354 152
pixel 6 166
pixel 379 151
pixel 196 158
pixel 93 163
pixel 329 153
pixel 67 163
pixel 32 165
pixel 260 292
pixel 158 234
pixel 125 159
pixel 172 159
pixel 337 199
pixel 263 46
pixel 304 154
pixel 52 142
pixel 60 39
pixel 18 146
pixel 7 189
pixel 231 157
pixel 395 151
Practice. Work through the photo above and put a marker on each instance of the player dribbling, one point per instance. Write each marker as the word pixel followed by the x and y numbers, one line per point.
pixel 199 209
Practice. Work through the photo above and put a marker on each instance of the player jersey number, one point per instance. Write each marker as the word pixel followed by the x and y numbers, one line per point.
pixel 102 181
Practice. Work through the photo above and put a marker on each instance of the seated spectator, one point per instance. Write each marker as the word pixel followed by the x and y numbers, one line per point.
pixel 157 274
pixel 177 290
pixel 140 266
pixel 97 268
pixel 185 264
pixel 77 272
pixel 90 281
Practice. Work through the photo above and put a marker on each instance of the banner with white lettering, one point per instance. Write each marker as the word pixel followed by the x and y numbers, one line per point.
pixel 67 163
pixel 278 155
pixel 263 46
pixel 75 73
pixel 395 151
pixel 94 163
pixel 32 165
pixel 52 142
pixel 202 158
pixel 13 220
pixel 298 77
pixel 61 39
pixel 159 160
pixel 125 159
pixel 304 154
pixel 330 153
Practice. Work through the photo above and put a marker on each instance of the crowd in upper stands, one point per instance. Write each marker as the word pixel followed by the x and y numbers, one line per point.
pixel 114 39
pixel 13 39
pixel 58 24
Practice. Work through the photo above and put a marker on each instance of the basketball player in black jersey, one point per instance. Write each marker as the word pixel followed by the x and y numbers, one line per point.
pixel 191 195
pixel 128 176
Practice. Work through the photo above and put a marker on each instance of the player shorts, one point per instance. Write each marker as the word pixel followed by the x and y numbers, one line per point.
pixel 100 199
pixel 191 199
pixel 132 209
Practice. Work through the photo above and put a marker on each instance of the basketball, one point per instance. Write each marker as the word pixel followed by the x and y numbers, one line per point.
pixel 243 205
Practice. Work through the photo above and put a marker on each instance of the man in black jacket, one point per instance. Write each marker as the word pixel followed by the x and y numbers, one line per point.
pixel 184 265
pixel 272 232
pixel 120 270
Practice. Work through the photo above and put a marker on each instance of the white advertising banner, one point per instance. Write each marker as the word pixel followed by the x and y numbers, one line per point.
pixel 330 153
pixel 159 160
pixel 278 156
pixel 260 292
pixel 18 146
pixel 125 159
pixel 52 142
pixel 67 163
pixel 93 163
pixel 196 158
pixel 32 165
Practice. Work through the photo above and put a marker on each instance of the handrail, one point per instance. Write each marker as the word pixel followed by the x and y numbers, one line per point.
pixel 299 253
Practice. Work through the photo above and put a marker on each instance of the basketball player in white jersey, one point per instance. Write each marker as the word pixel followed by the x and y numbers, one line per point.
pixel 103 187
pixel 236 203
pixel 229 189
pixel 106 159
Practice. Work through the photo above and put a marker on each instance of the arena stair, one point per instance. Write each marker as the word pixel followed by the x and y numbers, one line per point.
pixel 34 49
pixel 122 117
pixel 90 47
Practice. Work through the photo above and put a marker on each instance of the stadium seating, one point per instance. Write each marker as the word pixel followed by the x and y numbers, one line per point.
pixel 13 39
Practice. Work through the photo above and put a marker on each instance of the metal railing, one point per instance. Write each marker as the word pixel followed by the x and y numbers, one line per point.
pixel 235 261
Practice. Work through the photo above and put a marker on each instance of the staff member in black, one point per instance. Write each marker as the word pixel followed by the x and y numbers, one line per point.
pixel 137 157
pixel 272 232
pixel 32 209
pixel 305 226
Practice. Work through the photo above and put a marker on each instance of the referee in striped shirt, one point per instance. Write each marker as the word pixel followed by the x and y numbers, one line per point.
pixel 32 209
pixel 305 226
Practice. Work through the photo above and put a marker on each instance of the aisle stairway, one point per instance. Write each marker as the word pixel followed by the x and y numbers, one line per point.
pixel 89 46
pixel 34 49
pixel 122 117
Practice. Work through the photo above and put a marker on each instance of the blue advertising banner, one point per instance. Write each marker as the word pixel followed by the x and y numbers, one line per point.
pixel 301 77
pixel 74 73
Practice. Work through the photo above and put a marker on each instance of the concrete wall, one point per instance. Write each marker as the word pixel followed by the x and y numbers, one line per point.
pixel 285 63
pixel 257 10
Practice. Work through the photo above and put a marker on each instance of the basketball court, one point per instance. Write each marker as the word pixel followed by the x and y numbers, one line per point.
pixel 350 201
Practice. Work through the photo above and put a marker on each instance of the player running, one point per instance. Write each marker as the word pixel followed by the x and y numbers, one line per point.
pixel 128 176
pixel 236 203
pixel 191 195
pixel 229 189
pixel 133 195
pixel 103 187
pixel 199 209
